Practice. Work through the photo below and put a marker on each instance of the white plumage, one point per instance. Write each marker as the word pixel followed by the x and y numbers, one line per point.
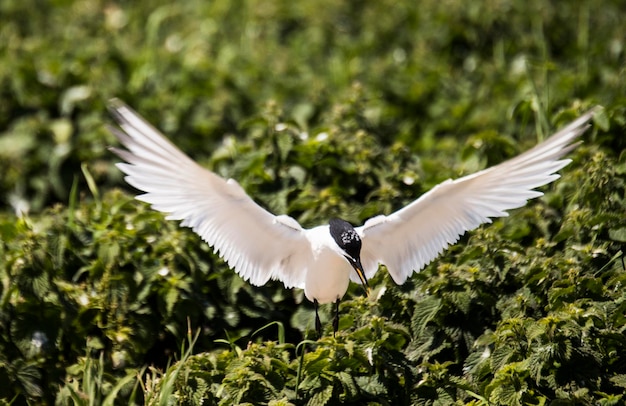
pixel 260 246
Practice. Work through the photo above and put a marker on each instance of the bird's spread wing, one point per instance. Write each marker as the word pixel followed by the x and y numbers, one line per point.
pixel 410 238
pixel 256 244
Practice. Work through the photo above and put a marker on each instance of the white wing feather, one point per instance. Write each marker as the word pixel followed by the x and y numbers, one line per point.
pixel 410 238
pixel 256 244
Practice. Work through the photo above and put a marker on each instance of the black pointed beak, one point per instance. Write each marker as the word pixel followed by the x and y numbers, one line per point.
pixel 358 268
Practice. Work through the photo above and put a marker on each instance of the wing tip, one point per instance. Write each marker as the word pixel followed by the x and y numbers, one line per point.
pixel 115 107
pixel 115 103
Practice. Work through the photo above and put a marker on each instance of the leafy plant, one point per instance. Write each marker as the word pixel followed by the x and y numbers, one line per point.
pixel 318 109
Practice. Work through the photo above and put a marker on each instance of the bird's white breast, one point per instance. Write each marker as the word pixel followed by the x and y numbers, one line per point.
pixel 328 277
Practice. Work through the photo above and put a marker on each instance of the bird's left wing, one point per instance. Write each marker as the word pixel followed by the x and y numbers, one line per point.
pixel 410 238
pixel 256 244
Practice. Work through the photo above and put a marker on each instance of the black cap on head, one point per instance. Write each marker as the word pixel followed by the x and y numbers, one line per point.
pixel 346 237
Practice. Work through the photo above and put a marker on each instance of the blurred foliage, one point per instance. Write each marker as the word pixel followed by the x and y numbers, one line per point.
pixel 321 109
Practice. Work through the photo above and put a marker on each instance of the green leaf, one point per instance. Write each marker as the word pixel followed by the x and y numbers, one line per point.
pixel 322 397
pixel 425 311
pixel 619 380
pixel 618 234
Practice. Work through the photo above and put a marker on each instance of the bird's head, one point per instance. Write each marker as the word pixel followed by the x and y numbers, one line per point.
pixel 349 243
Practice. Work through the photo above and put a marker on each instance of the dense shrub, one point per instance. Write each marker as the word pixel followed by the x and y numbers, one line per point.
pixel 319 109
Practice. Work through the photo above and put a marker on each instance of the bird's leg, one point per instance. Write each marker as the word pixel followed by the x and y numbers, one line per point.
pixel 318 324
pixel 336 318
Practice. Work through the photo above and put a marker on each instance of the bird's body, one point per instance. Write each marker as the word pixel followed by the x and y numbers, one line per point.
pixel 260 246
pixel 328 273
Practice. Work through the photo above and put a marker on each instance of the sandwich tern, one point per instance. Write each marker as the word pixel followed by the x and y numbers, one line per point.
pixel 261 246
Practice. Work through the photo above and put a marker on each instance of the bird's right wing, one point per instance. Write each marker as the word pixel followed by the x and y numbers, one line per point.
pixel 256 244
pixel 410 238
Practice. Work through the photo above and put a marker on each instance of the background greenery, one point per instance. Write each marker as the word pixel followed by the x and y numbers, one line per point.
pixel 319 109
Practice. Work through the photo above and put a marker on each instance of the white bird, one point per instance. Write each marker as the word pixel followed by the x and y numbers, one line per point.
pixel 260 246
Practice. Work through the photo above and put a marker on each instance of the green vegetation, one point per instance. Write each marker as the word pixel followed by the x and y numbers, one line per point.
pixel 319 109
